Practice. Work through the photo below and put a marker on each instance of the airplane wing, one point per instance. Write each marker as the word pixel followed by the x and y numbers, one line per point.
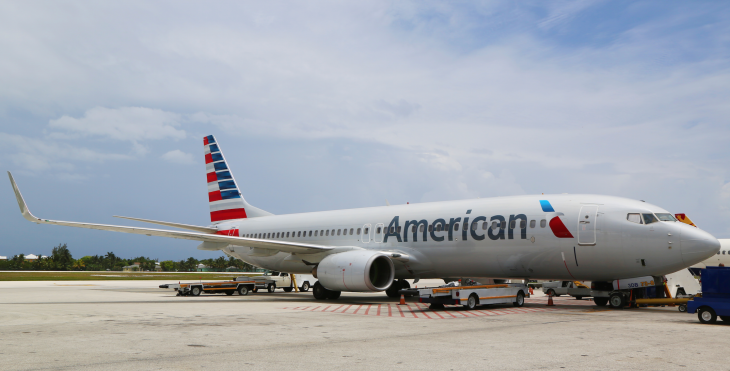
pixel 217 239
pixel 174 225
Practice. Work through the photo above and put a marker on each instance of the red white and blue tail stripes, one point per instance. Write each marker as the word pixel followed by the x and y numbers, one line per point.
pixel 223 194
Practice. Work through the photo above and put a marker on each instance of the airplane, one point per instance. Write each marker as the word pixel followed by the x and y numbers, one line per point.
pixel 564 237
pixel 720 259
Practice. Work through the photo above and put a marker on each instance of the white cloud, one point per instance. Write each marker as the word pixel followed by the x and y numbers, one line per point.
pixel 126 124
pixel 179 157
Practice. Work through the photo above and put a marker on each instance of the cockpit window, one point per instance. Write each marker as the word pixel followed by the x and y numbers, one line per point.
pixel 649 218
pixel 634 218
pixel 666 217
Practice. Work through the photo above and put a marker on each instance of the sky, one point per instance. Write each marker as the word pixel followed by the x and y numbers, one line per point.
pixel 328 105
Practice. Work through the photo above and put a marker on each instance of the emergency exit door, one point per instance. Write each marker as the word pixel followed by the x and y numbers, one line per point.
pixel 587 225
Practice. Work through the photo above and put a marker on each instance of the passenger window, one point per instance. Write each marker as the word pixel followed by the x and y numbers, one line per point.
pixel 473 226
pixel 399 230
pixel 495 225
pixel 532 224
pixel 446 227
pixel 367 230
pixel 484 225
pixel 358 231
pixel 523 224
pixel 377 230
pixel 315 233
pixel 310 233
pixel 339 232
pixel 430 228
pixel 321 233
pixel 287 234
pixel 438 227
pixel 333 232
pixel 634 218
pixel 456 226
pixel 352 230
pixel 512 224
pixel 328 232
pixel 649 218
pixel 504 225
pixel 299 234
pixel 723 252
pixel 420 228
pixel 543 223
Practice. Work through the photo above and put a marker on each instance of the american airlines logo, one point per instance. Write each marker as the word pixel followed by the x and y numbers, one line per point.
pixel 495 228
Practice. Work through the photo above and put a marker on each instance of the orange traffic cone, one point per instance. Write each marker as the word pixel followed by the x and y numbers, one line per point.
pixel 550 301
pixel 402 300
pixel 531 293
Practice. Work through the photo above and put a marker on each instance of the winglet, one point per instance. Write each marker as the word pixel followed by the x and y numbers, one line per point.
pixel 21 203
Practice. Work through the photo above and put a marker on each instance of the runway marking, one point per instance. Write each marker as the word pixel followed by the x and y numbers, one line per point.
pixel 420 311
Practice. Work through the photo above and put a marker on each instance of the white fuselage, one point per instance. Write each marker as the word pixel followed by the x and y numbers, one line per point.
pixel 605 246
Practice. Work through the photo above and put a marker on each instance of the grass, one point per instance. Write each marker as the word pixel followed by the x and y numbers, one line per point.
pixel 119 276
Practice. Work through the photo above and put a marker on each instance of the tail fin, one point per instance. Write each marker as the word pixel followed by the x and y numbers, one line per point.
pixel 225 199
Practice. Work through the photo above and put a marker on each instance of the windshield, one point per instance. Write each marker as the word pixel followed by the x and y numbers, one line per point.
pixel 666 217
pixel 649 218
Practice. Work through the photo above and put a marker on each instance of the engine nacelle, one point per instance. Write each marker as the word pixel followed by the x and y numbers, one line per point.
pixel 357 270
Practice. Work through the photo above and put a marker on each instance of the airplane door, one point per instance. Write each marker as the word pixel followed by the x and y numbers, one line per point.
pixel 379 232
pixel 365 237
pixel 587 225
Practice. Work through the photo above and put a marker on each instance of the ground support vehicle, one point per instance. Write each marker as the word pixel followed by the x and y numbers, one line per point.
pixel 572 288
pixel 632 292
pixel 715 300
pixel 273 280
pixel 472 296
pixel 222 287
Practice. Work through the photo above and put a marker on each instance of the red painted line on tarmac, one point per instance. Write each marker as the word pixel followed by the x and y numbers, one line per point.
pixel 390 313
pixel 422 312
pixel 437 313
pixel 338 308
pixel 378 310
pixel 316 307
pixel 368 310
pixel 325 309
pixel 358 308
pixel 412 312
pixel 401 312
pixel 449 313
pixel 346 309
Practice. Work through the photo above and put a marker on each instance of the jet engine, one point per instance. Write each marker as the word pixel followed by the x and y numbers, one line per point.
pixel 356 270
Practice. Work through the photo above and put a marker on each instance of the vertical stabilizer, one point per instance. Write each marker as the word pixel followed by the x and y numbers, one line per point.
pixel 225 198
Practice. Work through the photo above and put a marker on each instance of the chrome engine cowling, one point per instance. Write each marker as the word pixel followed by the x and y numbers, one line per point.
pixel 357 270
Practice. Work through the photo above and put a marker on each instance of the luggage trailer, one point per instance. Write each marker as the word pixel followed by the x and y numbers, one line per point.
pixel 222 287
pixel 472 296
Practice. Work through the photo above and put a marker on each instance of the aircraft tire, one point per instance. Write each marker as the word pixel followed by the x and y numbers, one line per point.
pixel 319 292
pixel 333 295
pixel 392 291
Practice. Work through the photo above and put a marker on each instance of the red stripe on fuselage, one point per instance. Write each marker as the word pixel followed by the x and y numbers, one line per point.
pixel 216 216
pixel 214 196
pixel 559 229
pixel 211 177
pixel 229 232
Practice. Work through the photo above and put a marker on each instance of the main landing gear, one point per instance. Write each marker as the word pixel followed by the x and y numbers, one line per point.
pixel 396 286
pixel 321 293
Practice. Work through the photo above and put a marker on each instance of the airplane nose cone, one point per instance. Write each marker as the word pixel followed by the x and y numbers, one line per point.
pixel 698 245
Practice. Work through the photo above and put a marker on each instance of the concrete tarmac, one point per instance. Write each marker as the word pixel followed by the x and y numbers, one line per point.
pixel 113 325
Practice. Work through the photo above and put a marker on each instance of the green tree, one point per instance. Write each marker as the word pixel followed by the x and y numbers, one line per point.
pixel 17 261
pixel 61 257
pixel 168 265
